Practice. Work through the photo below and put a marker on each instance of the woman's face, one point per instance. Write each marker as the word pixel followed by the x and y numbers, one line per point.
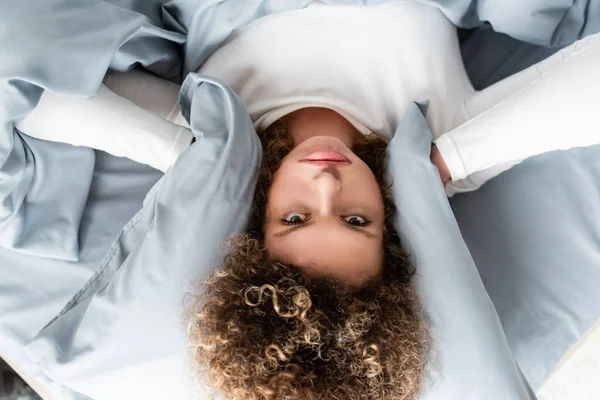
pixel 325 212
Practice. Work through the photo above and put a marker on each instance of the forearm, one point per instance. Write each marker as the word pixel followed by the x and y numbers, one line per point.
pixel 557 111
pixel 110 123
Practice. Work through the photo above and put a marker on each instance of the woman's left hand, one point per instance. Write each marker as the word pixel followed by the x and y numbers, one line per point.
pixel 438 161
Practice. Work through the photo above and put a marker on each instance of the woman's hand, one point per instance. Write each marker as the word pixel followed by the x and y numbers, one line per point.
pixel 438 161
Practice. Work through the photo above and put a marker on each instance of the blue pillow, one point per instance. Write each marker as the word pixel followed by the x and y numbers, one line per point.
pixel 470 357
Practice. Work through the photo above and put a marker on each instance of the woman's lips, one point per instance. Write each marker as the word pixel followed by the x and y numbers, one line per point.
pixel 326 163
pixel 326 158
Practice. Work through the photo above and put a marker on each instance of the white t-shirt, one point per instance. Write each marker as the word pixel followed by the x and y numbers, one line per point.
pixel 365 62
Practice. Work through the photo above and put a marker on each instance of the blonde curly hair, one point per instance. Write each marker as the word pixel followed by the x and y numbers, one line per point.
pixel 260 329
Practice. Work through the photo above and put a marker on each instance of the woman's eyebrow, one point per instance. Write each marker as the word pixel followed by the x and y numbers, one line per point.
pixel 294 229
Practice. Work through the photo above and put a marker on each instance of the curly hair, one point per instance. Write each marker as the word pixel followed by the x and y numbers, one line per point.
pixel 260 329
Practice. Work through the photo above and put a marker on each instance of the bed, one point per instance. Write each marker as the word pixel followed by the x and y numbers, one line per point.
pixel 549 306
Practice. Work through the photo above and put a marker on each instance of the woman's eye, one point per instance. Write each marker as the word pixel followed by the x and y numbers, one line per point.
pixel 356 220
pixel 294 218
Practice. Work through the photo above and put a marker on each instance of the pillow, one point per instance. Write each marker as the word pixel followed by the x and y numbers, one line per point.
pixel 470 358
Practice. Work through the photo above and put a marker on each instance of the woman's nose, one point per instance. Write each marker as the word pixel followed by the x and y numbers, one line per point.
pixel 327 187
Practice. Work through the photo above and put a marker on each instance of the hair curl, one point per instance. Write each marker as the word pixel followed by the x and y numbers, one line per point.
pixel 260 329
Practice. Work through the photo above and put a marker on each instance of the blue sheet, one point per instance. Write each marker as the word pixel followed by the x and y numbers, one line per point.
pixel 33 290
pixel 36 217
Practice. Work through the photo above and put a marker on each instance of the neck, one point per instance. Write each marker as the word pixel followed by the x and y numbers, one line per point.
pixel 314 121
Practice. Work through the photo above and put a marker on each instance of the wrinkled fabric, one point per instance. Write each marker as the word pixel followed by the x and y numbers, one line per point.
pixel 552 23
pixel 43 186
pixel 33 290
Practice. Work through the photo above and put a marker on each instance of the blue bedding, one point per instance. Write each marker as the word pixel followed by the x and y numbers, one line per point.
pixel 61 207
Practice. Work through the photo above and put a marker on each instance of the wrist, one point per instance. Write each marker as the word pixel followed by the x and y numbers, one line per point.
pixel 440 163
